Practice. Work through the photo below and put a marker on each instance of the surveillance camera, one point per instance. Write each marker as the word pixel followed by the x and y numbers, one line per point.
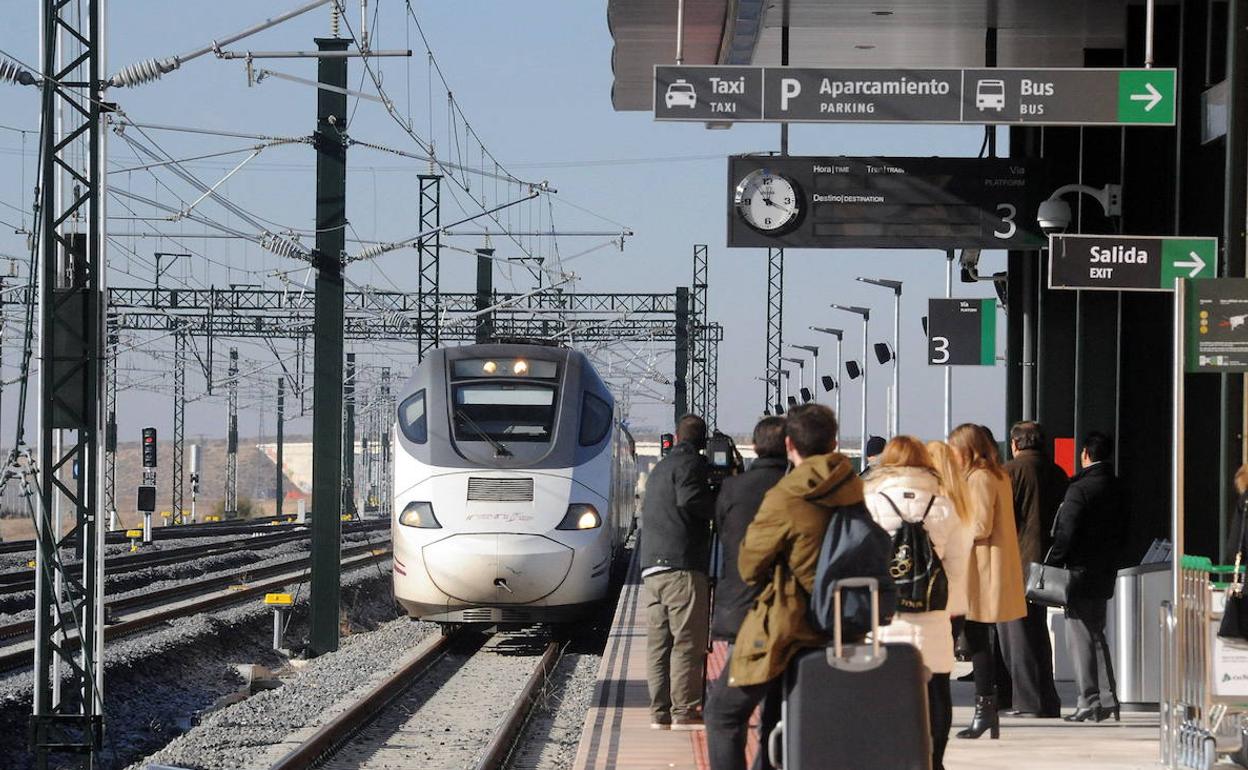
pixel 1054 216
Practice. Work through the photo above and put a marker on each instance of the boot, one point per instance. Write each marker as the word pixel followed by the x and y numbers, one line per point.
pixel 985 719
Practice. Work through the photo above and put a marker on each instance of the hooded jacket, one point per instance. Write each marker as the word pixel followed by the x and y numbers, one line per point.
pixel 910 490
pixel 779 555
pixel 735 507
pixel 676 512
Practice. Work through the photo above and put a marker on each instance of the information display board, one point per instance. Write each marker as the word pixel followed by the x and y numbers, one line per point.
pixel 962 332
pixel 1217 325
pixel 837 202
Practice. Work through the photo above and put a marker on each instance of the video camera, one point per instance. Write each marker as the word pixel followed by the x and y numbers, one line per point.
pixel 724 458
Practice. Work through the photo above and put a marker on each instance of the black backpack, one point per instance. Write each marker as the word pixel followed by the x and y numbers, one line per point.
pixel 854 546
pixel 916 569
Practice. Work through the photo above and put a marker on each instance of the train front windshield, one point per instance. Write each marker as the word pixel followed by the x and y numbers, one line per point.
pixel 504 400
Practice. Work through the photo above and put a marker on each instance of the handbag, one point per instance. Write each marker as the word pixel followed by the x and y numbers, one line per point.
pixel 1048 585
pixel 1234 623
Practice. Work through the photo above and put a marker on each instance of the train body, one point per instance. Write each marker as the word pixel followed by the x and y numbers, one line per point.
pixel 514 486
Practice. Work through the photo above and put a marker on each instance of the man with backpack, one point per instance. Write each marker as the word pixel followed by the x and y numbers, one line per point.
pixel 779 556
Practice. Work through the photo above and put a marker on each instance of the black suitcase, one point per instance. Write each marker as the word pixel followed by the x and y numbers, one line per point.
pixel 862 708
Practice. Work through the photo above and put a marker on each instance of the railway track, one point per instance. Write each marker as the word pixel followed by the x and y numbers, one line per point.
pixel 16 581
pixel 432 708
pixel 202 529
pixel 137 613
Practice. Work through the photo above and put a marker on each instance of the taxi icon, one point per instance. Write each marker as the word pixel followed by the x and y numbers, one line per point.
pixel 681 94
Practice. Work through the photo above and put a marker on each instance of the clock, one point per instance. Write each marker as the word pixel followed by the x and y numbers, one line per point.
pixel 768 202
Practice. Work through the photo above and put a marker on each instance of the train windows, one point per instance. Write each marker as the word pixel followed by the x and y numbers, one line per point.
pixel 413 420
pixel 595 419
pixel 504 412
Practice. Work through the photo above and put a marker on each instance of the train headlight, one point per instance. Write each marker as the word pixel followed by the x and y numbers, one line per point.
pixel 520 367
pixel 416 514
pixel 581 516
pixel 489 367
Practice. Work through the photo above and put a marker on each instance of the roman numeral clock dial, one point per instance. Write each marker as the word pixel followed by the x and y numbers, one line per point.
pixel 769 203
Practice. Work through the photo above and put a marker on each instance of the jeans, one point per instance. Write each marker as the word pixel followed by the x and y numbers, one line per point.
pixel 678 624
pixel 727 715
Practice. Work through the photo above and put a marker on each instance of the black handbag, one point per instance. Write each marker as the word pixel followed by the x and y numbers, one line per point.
pixel 1048 585
pixel 1234 623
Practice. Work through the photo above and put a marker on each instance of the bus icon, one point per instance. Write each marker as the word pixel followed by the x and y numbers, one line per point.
pixel 990 95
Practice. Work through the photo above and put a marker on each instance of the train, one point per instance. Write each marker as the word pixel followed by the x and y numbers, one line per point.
pixel 514 486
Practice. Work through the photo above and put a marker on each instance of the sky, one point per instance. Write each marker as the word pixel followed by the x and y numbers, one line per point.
pixel 534 81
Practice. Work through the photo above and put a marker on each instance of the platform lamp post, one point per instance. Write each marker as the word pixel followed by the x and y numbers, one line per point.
pixel 801 375
pixel 790 400
pixel 813 350
pixel 836 368
pixel 865 313
pixel 776 408
pixel 895 287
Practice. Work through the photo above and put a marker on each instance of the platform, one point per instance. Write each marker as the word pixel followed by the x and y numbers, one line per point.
pixel 617 734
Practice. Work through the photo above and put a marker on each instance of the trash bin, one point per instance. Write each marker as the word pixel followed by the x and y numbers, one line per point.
pixel 1138 595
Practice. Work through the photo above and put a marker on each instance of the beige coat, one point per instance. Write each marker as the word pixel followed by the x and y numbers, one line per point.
pixel 994 588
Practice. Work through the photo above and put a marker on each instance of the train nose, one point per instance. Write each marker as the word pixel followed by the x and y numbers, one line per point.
pixel 497 568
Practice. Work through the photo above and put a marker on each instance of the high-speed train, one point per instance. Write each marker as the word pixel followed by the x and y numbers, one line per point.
pixel 513 486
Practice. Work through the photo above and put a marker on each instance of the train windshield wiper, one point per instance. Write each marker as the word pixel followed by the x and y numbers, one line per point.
pixel 500 449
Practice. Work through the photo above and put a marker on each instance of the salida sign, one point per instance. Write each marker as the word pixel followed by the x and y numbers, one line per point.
pixel 1128 262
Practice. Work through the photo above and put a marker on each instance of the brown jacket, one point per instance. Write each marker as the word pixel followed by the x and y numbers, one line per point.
pixel 779 554
pixel 1039 485
pixel 994 589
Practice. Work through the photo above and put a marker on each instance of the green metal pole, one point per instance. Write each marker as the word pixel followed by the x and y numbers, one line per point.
pixel 331 189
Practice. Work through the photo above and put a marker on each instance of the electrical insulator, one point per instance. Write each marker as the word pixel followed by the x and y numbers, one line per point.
pixel 12 72
pixel 143 72
pixel 283 247
pixel 149 447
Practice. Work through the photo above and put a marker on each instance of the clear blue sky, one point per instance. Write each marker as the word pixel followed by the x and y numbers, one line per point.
pixel 534 79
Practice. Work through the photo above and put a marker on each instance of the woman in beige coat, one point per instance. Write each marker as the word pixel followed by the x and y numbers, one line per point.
pixel 994 588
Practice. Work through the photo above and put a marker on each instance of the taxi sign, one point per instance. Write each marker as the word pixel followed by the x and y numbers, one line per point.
pixel 278 599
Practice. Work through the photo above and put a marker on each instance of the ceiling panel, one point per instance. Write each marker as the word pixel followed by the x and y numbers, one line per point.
pixel 862 33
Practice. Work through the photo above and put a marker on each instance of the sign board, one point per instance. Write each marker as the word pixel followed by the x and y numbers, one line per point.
pixel 1217 325
pixel 962 332
pixel 1128 262
pixel 886 203
pixel 1033 96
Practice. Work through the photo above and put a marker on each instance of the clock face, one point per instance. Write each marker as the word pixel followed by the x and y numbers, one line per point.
pixel 767 202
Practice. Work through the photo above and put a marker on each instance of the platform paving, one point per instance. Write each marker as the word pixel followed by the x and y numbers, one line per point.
pixel 617 734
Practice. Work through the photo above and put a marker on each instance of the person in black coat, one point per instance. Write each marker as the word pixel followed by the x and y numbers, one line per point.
pixel 738 501
pixel 1087 537
pixel 675 556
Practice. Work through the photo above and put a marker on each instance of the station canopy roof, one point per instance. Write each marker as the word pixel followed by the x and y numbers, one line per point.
pixel 855 33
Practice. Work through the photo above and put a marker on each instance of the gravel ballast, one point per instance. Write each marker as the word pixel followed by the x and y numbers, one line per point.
pixel 161 683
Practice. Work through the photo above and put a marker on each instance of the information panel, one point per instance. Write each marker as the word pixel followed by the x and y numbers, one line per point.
pixel 1034 96
pixel 962 332
pixel 1217 325
pixel 836 203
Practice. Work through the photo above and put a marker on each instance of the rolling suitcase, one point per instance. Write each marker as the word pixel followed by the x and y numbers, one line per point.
pixel 854 706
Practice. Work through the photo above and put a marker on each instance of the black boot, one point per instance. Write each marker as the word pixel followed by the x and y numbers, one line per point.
pixel 985 719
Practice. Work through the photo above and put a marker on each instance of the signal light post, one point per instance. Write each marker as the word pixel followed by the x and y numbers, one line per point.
pixel 147 492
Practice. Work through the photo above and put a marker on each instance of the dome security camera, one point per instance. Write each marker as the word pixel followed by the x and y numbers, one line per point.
pixel 1053 216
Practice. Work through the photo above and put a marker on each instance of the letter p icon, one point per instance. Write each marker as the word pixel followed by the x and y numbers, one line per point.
pixel 789 88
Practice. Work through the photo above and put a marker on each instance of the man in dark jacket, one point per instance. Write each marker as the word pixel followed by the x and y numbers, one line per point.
pixel 1087 537
pixel 675 557
pixel 738 501
pixel 1039 485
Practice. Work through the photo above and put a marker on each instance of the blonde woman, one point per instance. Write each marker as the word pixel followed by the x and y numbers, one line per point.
pixel 904 487
pixel 994 587
pixel 953 487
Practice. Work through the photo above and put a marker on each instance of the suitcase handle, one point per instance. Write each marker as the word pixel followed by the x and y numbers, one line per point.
pixel 774 741
pixel 838 659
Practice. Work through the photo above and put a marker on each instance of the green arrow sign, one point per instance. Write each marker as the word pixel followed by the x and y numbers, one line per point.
pixel 1146 96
